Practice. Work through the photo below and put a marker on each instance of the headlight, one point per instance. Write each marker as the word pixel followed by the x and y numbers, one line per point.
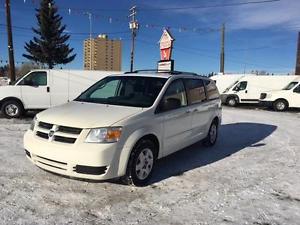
pixel 104 135
pixel 33 122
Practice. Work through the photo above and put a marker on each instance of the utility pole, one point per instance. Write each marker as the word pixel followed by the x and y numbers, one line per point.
pixel 222 55
pixel 297 70
pixel 91 55
pixel 133 26
pixel 10 43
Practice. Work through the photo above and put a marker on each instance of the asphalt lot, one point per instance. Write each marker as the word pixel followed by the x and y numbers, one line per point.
pixel 251 176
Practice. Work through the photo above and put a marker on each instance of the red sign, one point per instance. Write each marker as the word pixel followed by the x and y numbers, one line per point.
pixel 165 54
pixel 166 44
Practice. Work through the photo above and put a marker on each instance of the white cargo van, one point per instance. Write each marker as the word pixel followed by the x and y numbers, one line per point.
pixel 225 81
pixel 249 88
pixel 41 89
pixel 280 100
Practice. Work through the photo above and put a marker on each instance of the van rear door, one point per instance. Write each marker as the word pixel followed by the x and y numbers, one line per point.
pixel 35 90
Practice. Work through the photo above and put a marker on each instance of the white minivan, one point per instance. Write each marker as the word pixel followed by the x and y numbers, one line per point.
pixel 41 89
pixel 122 124
pixel 281 100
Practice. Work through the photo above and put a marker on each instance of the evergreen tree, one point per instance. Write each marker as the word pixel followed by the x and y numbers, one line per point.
pixel 49 46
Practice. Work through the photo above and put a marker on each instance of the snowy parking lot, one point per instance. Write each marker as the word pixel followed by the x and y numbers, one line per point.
pixel 251 176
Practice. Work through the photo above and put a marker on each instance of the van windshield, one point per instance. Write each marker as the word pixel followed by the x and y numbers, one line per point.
pixel 290 86
pixel 126 91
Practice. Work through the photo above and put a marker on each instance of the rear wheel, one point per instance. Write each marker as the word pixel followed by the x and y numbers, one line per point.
pixel 280 105
pixel 141 163
pixel 12 109
pixel 232 101
pixel 212 135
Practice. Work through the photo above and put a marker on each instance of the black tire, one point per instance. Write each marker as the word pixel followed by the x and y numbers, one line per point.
pixel 12 109
pixel 280 105
pixel 132 176
pixel 231 101
pixel 212 135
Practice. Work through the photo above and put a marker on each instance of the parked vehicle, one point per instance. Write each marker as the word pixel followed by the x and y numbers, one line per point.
pixel 249 88
pixel 41 89
pixel 121 125
pixel 225 81
pixel 281 100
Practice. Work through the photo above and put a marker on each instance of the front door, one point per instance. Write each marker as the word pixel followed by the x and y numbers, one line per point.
pixel 176 121
pixel 35 90
pixel 241 91
pixel 200 107
pixel 296 97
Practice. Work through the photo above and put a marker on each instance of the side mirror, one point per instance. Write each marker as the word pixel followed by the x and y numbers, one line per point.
pixel 169 104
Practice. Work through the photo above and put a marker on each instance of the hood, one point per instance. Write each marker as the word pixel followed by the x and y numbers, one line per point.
pixel 86 115
pixel 9 91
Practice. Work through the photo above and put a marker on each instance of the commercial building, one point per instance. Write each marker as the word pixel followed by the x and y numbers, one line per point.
pixel 102 53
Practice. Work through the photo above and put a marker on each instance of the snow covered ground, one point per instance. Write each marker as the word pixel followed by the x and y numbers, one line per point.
pixel 252 176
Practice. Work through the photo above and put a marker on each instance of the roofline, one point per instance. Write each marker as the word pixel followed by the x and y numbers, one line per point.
pixel 171 72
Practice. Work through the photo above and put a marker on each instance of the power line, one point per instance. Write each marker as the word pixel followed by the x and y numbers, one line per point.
pixel 72 33
pixel 211 6
pixel 214 57
pixel 67 9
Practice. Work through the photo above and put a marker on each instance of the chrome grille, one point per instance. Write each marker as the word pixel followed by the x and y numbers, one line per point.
pixel 56 133
pixel 45 125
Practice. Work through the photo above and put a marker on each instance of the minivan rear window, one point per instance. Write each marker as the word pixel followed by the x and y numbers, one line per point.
pixel 211 90
pixel 195 90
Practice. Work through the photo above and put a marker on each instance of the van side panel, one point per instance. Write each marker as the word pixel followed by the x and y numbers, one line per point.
pixel 79 81
pixel 58 87
pixel 66 85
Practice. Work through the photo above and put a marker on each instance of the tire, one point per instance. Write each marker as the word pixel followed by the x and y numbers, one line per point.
pixel 12 109
pixel 212 135
pixel 231 101
pixel 140 164
pixel 280 105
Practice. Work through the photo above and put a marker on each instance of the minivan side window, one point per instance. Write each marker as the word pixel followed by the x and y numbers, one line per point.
pixel 241 86
pixel 195 90
pixel 35 79
pixel 174 94
pixel 297 89
pixel 211 90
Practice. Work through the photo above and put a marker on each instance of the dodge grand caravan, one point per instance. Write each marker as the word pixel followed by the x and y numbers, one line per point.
pixel 122 124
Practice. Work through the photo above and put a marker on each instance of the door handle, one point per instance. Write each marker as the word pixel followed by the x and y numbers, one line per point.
pixel 246 91
pixel 48 89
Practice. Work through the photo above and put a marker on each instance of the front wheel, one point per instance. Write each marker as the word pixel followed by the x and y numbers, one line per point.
pixel 231 101
pixel 12 109
pixel 141 163
pixel 280 105
pixel 212 135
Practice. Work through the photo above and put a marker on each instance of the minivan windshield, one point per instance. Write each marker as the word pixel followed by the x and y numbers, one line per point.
pixel 132 91
pixel 290 86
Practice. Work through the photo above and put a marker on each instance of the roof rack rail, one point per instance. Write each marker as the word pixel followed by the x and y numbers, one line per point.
pixel 172 72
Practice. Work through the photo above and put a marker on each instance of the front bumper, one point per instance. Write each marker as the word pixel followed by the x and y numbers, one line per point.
pixel 80 160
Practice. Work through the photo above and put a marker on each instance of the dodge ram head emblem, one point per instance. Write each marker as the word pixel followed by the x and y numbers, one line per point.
pixel 51 134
